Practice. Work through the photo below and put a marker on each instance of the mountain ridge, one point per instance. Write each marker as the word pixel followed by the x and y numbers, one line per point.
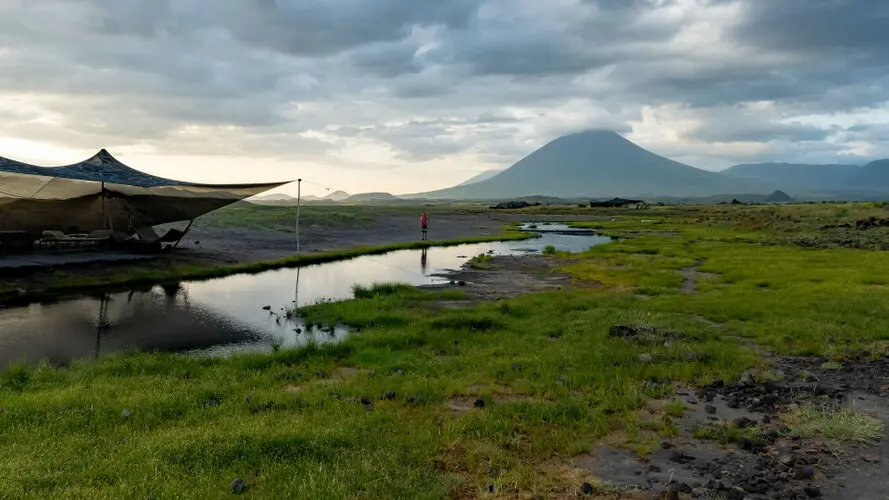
pixel 596 163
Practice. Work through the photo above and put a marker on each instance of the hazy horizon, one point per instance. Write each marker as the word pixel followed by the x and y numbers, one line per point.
pixel 403 98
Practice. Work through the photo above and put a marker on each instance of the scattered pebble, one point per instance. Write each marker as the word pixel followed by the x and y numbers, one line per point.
pixel 586 488
pixel 803 472
pixel 267 308
pixel 238 486
pixel 645 358
pixel 389 395
pixel 479 403
pixel 127 413
pixel 710 409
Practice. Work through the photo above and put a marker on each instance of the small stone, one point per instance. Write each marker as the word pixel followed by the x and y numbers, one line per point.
pixel 238 486
pixel 399 372
pixel 586 488
pixel 298 331
pixel 735 493
pixel 461 283
pixel 389 395
pixel 718 383
pixel 692 401
pixel 127 413
pixel 517 367
pixel 870 459
pixel 645 358
pixel 366 401
pixel 733 403
pixel 267 308
pixel 479 403
pixel 766 419
pixel 803 472
pixel 812 491
pixel 710 409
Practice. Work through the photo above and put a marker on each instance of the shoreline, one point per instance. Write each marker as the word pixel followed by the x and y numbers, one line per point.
pixel 142 274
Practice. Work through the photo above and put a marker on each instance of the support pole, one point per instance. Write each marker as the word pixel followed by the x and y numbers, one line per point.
pixel 183 233
pixel 104 215
pixel 298 196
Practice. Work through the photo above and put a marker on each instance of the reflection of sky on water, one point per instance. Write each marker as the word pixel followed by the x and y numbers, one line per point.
pixel 225 315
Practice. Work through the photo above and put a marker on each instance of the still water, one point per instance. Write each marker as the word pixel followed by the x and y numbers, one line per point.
pixel 220 316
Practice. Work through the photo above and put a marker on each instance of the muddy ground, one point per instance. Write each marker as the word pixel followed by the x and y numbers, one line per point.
pixel 234 244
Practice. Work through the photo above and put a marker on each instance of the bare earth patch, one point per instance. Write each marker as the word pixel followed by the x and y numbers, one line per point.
pixel 737 441
pixel 507 276
pixel 691 276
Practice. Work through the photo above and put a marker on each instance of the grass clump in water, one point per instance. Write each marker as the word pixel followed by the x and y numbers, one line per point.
pixel 481 261
pixel 380 290
pixel 832 422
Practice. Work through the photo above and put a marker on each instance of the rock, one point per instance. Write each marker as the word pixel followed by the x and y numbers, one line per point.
pixel 645 358
pixel 812 491
pixel 298 330
pixel 735 493
pixel 744 423
pixel 461 283
pixel 672 492
pixel 870 459
pixel 766 419
pixel 680 457
pixel 517 367
pixel 717 383
pixel 267 308
pixel 126 413
pixel 479 403
pixel 238 486
pixel 586 488
pixel 399 372
pixel 389 395
pixel 366 401
pixel 803 472
pixel 692 401
pixel 710 409
pixel 733 403
pixel 747 378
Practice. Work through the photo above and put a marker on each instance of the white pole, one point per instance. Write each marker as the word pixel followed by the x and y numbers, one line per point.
pixel 298 196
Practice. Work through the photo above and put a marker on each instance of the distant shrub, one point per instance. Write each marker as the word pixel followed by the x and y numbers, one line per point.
pixel 549 250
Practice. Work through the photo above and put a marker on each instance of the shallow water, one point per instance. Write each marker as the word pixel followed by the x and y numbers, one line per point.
pixel 220 316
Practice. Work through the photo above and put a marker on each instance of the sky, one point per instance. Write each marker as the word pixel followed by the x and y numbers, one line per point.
pixel 407 96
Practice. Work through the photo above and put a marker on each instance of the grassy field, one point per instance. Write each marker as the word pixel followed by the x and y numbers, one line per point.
pixel 283 218
pixel 429 402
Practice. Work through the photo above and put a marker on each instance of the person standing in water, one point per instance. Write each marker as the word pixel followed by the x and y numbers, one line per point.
pixel 424 224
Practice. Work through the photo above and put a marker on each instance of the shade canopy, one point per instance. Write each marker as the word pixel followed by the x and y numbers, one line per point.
pixel 103 193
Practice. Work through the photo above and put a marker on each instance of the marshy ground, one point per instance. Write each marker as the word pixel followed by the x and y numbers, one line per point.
pixel 711 352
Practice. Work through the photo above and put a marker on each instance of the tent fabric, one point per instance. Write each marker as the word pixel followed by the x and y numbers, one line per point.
pixel 103 193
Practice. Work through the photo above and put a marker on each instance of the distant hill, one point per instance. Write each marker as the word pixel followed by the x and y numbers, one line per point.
pixel 794 176
pixel 487 174
pixel 875 173
pixel 336 196
pixel 597 164
pixel 778 197
pixel 839 182
pixel 371 197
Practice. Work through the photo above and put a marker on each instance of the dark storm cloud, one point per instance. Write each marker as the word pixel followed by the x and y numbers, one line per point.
pixel 487 77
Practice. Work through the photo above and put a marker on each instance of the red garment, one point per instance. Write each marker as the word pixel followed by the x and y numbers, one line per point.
pixel 424 221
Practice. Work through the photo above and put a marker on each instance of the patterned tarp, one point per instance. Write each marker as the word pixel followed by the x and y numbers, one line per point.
pixel 102 167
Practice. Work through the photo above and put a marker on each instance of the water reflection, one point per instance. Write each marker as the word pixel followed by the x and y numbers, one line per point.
pixel 235 313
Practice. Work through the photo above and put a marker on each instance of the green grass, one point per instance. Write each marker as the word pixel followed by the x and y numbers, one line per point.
pixel 283 218
pixel 841 424
pixel 554 380
pixel 481 261
pixel 555 384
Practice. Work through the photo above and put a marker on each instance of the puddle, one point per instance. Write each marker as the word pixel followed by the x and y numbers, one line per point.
pixel 226 315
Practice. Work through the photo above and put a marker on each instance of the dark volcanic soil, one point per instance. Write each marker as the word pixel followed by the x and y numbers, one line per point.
pixel 770 461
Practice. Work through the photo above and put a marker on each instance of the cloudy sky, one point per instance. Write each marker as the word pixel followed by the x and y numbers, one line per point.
pixel 409 95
